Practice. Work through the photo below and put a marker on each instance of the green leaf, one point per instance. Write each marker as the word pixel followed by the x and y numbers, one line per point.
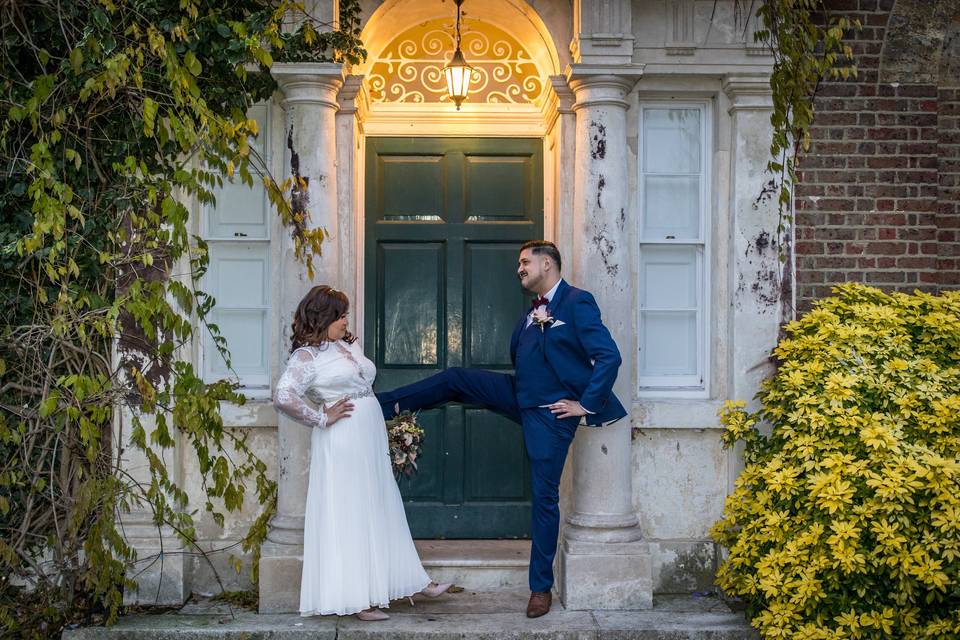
pixel 149 116
pixel 76 59
pixel 192 64
pixel 48 405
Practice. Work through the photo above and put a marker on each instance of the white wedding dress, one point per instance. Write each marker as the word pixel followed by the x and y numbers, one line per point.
pixel 357 548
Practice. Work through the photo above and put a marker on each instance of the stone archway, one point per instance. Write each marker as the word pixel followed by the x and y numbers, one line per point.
pixel 520 56
pixel 516 55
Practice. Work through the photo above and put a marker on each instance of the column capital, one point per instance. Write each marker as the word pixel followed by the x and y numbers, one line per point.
pixel 309 82
pixel 560 91
pixel 748 91
pixel 353 96
pixel 602 85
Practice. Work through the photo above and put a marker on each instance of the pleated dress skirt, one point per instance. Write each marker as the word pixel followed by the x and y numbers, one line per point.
pixel 357 548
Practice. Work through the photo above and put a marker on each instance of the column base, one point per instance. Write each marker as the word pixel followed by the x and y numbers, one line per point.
pixel 281 567
pixel 162 573
pixel 605 575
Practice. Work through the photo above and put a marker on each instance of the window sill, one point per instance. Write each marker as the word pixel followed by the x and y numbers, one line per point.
pixel 677 412
pixel 672 393
pixel 257 412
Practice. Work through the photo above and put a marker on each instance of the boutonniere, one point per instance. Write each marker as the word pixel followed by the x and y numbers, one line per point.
pixel 542 318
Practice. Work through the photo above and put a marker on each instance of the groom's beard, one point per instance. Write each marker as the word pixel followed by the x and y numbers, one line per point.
pixel 531 283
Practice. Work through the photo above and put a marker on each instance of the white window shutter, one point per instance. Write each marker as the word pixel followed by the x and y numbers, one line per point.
pixel 674 211
pixel 237 231
pixel 672 141
pixel 669 312
pixel 241 211
pixel 239 277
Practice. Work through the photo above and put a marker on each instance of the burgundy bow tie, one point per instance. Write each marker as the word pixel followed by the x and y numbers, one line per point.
pixel 540 302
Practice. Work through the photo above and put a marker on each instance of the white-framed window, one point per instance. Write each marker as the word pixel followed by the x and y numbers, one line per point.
pixel 673 298
pixel 237 232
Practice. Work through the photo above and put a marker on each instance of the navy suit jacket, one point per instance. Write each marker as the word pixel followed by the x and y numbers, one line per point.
pixel 581 352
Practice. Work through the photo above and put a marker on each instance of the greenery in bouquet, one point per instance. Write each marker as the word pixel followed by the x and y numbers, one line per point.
pixel 406 442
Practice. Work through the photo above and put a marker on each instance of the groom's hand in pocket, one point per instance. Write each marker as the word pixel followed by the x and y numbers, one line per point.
pixel 567 409
pixel 339 409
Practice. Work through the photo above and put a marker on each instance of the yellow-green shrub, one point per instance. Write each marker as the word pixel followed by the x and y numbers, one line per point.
pixel 846 520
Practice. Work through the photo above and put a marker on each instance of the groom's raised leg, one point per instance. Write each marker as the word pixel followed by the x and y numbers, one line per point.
pixel 495 391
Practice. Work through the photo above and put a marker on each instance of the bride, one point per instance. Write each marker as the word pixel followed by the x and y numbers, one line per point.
pixel 358 554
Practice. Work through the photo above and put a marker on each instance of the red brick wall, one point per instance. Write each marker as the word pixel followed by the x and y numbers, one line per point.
pixel 948 207
pixel 876 199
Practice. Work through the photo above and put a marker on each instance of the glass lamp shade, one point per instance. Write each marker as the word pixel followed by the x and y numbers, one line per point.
pixel 458 74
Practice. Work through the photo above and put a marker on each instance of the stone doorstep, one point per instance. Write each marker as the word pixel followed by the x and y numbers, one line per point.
pixel 485 565
pixel 469 615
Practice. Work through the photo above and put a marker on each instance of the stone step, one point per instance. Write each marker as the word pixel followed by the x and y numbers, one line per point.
pixel 468 615
pixel 480 565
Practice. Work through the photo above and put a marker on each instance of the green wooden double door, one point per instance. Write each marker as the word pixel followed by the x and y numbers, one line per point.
pixel 445 218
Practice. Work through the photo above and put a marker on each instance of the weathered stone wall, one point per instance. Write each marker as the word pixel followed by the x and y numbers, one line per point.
pixel 877 196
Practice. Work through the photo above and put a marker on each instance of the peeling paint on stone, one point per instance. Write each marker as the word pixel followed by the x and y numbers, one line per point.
pixel 598 140
pixel 300 192
pixel 765 285
pixel 605 247
pixel 601 183
pixel 766 288
pixel 762 242
pixel 294 156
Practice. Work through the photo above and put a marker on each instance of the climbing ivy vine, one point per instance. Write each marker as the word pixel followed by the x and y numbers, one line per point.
pixel 113 115
pixel 809 46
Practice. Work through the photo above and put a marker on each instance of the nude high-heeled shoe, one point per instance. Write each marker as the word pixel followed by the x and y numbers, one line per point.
pixel 372 615
pixel 434 589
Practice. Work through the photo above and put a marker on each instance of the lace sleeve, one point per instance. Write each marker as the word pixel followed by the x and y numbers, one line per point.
pixel 294 382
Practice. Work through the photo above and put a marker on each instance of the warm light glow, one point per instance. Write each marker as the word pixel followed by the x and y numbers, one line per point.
pixel 458 74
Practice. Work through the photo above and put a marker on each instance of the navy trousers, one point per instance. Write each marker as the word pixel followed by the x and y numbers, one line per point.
pixel 546 438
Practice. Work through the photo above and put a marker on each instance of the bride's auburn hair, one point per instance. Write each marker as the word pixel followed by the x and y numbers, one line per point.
pixel 321 307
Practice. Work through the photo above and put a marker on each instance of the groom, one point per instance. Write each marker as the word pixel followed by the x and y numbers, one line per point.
pixel 565 363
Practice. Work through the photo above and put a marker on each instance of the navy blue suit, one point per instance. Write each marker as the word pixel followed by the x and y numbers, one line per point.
pixel 575 358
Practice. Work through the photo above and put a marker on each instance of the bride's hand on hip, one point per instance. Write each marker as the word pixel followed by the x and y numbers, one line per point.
pixel 339 409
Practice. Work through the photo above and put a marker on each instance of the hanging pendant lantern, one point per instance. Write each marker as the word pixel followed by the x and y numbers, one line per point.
pixel 457 71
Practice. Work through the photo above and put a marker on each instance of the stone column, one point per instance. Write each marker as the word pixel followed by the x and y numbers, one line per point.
pixel 754 246
pixel 562 131
pixel 353 108
pixel 604 564
pixel 310 101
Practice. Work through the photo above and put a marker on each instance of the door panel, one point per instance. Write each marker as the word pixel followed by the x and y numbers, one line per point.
pixel 509 200
pixel 445 221
pixel 412 276
pixel 487 265
pixel 410 186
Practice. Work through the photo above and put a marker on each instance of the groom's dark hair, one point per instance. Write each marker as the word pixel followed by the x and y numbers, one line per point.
pixel 544 248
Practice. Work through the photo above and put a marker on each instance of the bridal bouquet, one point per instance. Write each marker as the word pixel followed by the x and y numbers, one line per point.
pixel 406 440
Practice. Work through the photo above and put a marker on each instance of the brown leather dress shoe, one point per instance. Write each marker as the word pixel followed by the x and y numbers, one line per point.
pixel 539 604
